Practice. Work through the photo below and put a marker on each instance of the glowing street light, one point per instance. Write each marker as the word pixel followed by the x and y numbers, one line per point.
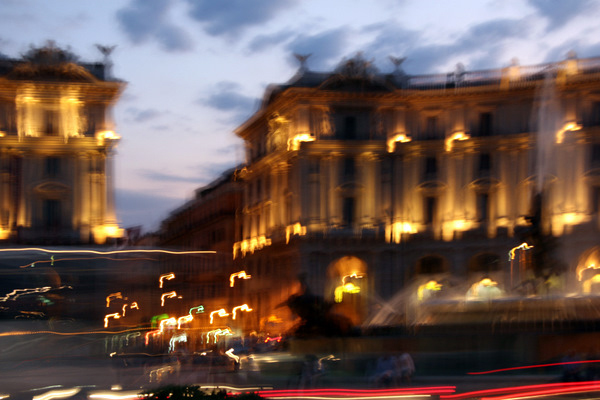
pixel 168 295
pixel 243 307
pixel 221 313
pixel 240 275
pixel 114 315
pixel 168 276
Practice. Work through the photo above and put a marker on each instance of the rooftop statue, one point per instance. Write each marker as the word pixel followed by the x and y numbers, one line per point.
pixel 49 63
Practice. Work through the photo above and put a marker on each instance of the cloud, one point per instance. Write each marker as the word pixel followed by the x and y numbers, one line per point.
pixel 231 17
pixel 480 46
pixel 227 96
pixel 262 42
pixel 560 12
pixel 582 49
pixel 142 115
pixel 145 20
pixel 325 47
pixel 164 177
pixel 141 208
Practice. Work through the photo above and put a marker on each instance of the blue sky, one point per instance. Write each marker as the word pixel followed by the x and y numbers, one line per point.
pixel 197 68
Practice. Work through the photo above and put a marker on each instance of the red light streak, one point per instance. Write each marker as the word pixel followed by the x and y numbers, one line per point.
pixel 523 391
pixel 364 393
pixel 532 366
pixel 278 338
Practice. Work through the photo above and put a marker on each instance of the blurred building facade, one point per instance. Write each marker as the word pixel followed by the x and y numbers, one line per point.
pixel 365 183
pixel 57 141
pixel 209 222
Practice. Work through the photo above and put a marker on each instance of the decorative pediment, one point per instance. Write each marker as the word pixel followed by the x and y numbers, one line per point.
pixel 52 189
pixel 485 184
pixel 432 187
pixel 350 187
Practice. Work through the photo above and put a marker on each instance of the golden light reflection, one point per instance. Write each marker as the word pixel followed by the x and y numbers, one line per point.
pixel 424 290
pixel 221 313
pixel 460 136
pixel 522 246
pixel 243 307
pixel 293 144
pixel 167 276
pixel 102 136
pixel 239 275
pixel 394 231
pixel 587 284
pixel 250 245
pixel 568 127
pixel 399 138
pixel 295 229
pixel 484 289
pixel 587 267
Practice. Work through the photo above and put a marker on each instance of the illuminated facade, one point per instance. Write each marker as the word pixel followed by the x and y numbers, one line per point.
pixel 366 183
pixel 56 147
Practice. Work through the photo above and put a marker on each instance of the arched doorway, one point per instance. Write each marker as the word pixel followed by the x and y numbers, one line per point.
pixel 431 264
pixel 348 287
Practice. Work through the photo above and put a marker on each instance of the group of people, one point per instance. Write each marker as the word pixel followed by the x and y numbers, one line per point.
pixel 394 370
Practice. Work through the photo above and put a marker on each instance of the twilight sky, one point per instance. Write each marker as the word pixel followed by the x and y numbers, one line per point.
pixel 196 69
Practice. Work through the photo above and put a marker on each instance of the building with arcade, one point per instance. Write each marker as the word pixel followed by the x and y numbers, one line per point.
pixel 369 185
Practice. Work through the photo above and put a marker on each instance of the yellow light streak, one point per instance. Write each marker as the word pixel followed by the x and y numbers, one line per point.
pixel 57 394
pixel 431 285
pixel 116 295
pixel 134 305
pixel 243 307
pixel 113 315
pixel 347 288
pixel 168 295
pixel 569 127
pixel 454 137
pixel 25 291
pixel 239 275
pixel 20 250
pixel 25 333
pixel 184 320
pixel 391 143
pixel 32 264
pixel 108 395
pixel 522 246
pixel 167 276
pixel 221 313
pixel 124 307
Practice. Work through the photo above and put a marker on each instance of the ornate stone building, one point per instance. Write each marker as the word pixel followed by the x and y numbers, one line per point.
pixel 56 147
pixel 368 183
